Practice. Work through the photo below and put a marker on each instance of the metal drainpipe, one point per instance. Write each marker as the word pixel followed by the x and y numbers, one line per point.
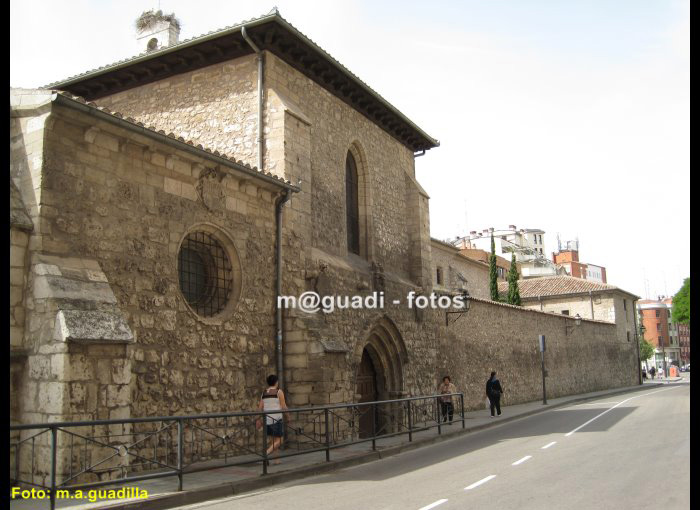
pixel 590 295
pixel 279 363
pixel 259 59
pixel 278 284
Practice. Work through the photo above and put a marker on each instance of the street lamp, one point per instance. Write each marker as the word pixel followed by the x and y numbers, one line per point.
pixel 466 299
pixel 577 322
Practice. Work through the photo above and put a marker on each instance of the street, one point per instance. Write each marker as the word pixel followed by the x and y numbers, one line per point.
pixel 626 451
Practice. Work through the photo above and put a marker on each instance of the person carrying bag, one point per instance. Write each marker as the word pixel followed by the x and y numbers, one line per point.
pixel 493 393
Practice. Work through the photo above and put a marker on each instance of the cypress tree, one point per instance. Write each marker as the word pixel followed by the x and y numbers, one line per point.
pixel 493 272
pixel 513 291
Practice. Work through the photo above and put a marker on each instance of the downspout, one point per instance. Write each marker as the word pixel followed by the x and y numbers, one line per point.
pixel 279 354
pixel 261 77
pixel 278 286
pixel 590 295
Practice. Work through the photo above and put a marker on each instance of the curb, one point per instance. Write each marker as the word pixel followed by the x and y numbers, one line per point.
pixel 188 497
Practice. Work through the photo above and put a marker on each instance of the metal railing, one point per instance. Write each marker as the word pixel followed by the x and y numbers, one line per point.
pixel 83 455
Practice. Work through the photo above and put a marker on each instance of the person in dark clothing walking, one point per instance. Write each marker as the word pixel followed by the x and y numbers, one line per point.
pixel 494 392
pixel 652 371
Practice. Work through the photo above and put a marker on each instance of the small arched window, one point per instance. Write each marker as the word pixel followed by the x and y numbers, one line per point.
pixel 352 204
pixel 152 45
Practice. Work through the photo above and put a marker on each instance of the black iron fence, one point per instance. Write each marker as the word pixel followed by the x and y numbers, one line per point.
pixel 84 455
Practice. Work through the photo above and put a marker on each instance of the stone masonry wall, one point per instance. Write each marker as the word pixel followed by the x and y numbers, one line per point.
pixel 215 106
pixel 19 241
pixel 451 263
pixel 126 201
pixel 504 338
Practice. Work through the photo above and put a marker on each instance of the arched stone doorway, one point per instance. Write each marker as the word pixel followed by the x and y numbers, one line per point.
pixel 366 383
pixel 379 359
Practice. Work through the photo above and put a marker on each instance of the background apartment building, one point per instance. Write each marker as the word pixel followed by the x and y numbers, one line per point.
pixel 527 244
pixel 660 331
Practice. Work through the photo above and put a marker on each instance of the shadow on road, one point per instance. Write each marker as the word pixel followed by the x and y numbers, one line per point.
pixel 554 422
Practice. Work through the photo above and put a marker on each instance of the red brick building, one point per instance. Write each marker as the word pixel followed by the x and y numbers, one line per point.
pixel 660 331
pixel 568 259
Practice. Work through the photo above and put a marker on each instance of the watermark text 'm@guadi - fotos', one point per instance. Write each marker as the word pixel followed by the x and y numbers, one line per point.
pixel 312 302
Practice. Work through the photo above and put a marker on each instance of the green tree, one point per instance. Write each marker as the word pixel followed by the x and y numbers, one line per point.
pixel 513 291
pixel 493 272
pixel 681 304
pixel 646 350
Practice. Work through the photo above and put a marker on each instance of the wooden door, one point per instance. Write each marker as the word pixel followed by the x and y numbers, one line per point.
pixel 367 388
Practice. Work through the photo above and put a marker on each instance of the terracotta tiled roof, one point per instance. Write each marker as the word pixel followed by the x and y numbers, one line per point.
pixel 205 150
pixel 557 285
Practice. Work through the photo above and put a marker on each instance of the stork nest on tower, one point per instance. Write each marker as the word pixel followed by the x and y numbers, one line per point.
pixel 149 18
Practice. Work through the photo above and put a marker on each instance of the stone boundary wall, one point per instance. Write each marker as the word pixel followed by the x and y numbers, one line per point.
pixel 504 338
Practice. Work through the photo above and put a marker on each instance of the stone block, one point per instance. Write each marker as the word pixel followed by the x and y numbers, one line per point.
pixel 172 186
pixel 118 395
pixel 39 367
pixel 295 347
pixel 51 397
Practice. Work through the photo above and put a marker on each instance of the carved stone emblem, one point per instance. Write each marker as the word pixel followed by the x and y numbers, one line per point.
pixel 209 189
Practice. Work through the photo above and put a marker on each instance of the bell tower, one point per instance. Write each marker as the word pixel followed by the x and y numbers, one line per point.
pixel 155 30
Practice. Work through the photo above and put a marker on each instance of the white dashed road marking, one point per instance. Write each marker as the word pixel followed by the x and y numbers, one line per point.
pixel 476 484
pixel 433 505
pixel 548 445
pixel 521 460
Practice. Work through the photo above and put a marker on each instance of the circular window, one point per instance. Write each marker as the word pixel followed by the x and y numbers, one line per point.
pixel 205 272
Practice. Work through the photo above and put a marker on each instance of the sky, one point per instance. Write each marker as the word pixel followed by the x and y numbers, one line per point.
pixel 571 117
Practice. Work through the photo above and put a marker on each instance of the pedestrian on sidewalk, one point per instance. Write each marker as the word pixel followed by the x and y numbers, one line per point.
pixel 494 392
pixel 272 399
pixel 652 371
pixel 446 405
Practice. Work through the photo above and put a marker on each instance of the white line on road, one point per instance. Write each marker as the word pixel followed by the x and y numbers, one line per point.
pixel 433 505
pixel 548 445
pixel 596 403
pixel 613 407
pixel 521 460
pixel 476 484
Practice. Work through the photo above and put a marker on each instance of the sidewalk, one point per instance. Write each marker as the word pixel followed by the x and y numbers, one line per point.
pixel 227 481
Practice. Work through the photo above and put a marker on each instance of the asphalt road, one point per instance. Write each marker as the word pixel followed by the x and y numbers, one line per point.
pixel 628 451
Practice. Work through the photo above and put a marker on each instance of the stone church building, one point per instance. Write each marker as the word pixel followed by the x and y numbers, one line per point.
pixel 159 205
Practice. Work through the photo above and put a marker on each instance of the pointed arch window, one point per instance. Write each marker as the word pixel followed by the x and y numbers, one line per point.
pixel 352 204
